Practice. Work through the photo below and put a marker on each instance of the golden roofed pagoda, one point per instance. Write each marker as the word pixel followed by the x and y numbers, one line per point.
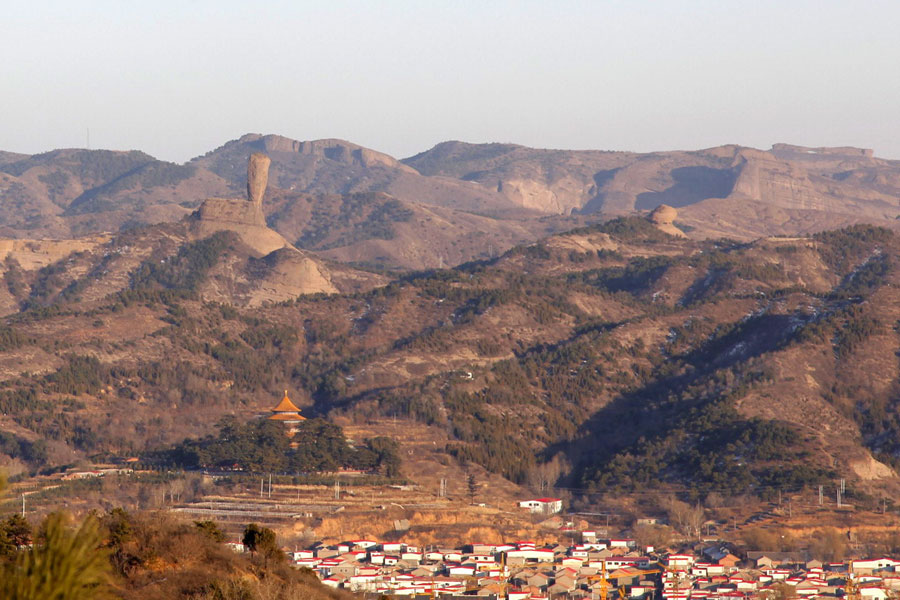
pixel 288 413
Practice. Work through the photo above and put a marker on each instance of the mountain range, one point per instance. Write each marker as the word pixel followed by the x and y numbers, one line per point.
pixel 455 202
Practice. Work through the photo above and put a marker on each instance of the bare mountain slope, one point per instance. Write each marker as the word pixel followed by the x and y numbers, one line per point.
pixel 66 193
pixel 69 193
pixel 380 230
pixel 226 241
pixel 339 167
pixel 455 202
pixel 806 187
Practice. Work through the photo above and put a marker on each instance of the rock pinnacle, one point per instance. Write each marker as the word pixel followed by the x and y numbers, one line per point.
pixel 257 177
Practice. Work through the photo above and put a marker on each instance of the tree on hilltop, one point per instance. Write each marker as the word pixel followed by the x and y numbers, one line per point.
pixel 262 541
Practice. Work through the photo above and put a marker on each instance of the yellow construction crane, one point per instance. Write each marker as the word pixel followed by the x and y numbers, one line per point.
pixel 504 577
pixel 851 591
pixel 603 578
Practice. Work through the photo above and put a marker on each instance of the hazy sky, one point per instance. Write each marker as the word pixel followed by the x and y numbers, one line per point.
pixel 176 79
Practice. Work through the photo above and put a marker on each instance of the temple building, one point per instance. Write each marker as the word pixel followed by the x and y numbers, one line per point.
pixel 288 413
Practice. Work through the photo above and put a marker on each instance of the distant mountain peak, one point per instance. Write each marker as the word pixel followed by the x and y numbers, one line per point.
pixel 333 149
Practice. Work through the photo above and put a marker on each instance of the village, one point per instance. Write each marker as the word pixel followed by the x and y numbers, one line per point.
pixel 595 568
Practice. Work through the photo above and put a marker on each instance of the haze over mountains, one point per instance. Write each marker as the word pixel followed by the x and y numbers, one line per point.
pixel 454 202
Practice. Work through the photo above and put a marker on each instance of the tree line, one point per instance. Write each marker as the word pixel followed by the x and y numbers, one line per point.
pixel 263 446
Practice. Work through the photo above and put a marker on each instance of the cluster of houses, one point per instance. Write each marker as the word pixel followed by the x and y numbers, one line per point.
pixel 594 568
pixel 716 573
pixel 519 570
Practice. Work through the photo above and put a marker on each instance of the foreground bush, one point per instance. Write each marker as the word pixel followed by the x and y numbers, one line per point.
pixel 150 556
pixel 64 564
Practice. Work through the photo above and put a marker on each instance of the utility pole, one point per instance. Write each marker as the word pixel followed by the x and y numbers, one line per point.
pixel 821 499
pixel 262 481
pixel 843 488
pixel 337 490
pixel 838 497
pixel 23 506
pixel 270 485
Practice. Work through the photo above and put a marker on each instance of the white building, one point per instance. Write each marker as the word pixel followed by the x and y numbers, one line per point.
pixel 546 506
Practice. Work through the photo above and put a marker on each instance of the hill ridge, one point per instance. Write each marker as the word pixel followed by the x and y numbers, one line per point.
pixel 491 196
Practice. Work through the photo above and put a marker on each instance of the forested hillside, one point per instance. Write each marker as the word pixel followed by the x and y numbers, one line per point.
pixel 609 357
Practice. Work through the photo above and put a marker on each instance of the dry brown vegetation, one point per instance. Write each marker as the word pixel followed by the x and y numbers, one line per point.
pixel 150 556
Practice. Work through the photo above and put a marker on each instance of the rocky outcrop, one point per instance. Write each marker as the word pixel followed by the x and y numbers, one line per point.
pixel 241 217
pixel 244 217
pixel 562 196
pixel 257 177
pixel 868 469
pixel 663 216
pixel 763 177
pixel 231 210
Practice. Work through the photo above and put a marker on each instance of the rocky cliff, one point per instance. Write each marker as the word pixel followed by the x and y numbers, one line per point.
pixel 244 217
